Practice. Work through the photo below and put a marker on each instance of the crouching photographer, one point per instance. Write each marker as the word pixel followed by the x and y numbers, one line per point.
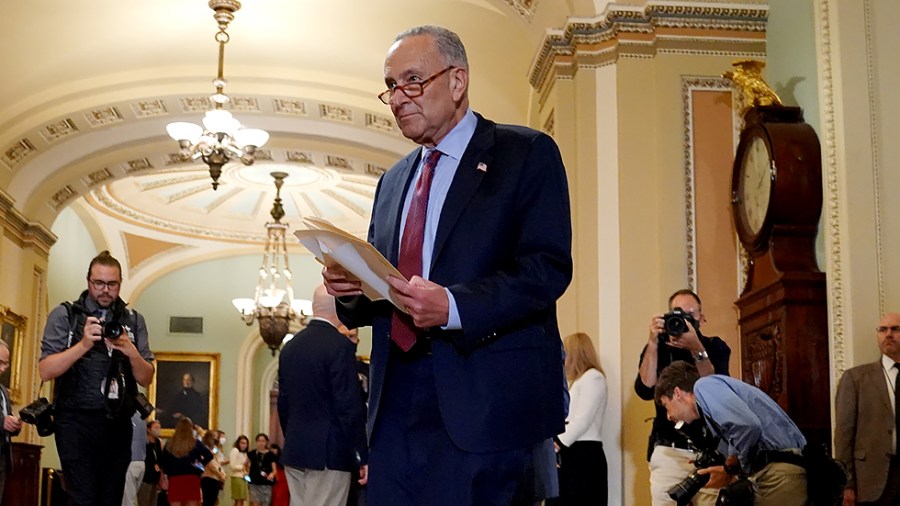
pixel 676 336
pixel 759 438
pixel 97 350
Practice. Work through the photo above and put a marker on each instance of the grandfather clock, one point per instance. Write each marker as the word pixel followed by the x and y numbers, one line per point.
pixel 776 203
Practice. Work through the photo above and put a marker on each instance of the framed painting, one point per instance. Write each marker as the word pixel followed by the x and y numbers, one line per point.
pixel 12 332
pixel 185 385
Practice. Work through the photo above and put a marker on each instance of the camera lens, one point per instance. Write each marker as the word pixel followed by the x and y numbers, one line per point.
pixel 112 330
pixel 675 325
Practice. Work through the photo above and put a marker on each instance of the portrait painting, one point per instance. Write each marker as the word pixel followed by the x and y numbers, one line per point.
pixel 185 385
pixel 12 331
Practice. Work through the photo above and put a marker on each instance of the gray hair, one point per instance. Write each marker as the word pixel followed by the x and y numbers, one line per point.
pixel 447 43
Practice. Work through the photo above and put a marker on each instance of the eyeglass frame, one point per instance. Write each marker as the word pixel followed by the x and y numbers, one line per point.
pixel 885 330
pixel 99 284
pixel 386 95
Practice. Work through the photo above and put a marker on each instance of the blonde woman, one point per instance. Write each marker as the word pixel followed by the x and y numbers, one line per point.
pixel 582 462
pixel 183 460
pixel 237 477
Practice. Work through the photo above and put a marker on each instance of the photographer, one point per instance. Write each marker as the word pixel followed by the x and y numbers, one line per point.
pixel 97 350
pixel 668 451
pixel 751 427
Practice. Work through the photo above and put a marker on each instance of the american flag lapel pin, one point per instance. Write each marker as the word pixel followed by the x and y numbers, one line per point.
pixel 481 167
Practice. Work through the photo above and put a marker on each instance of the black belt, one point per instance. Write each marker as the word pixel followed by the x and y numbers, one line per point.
pixel 767 457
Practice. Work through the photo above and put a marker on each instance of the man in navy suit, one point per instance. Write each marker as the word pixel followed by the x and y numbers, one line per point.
pixel 456 410
pixel 321 412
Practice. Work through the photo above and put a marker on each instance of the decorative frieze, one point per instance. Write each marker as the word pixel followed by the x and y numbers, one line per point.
pixel 149 108
pixel 336 113
pixel 102 117
pixel 62 196
pixel 97 177
pixel 338 162
pixel 380 122
pixel 299 157
pixel 293 107
pixel 136 165
pixel 635 31
pixel 18 152
pixel 56 131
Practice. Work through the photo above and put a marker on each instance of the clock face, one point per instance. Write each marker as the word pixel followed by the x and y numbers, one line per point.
pixel 756 184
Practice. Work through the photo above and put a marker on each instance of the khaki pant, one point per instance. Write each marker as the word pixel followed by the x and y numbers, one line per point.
pixel 669 466
pixel 780 484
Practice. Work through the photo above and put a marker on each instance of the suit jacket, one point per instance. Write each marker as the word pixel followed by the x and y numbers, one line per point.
pixel 864 429
pixel 321 412
pixel 5 441
pixel 503 249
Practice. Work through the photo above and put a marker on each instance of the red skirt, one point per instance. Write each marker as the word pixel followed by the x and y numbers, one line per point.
pixel 184 487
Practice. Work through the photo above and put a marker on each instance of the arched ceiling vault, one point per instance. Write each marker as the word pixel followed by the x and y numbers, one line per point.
pixel 91 85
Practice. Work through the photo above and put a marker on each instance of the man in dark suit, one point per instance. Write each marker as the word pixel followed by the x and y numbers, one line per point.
pixel 320 409
pixel 11 423
pixel 865 437
pixel 467 381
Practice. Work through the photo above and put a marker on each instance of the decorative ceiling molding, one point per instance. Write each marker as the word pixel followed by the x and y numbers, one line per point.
pixel 524 8
pixel 627 31
pixel 14 226
pixel 97 117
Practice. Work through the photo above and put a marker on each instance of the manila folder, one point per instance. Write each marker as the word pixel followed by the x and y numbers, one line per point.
pixel 331 245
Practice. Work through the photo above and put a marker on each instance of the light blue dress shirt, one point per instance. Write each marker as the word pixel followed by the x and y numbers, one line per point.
pixel 453 145
pixel 748 420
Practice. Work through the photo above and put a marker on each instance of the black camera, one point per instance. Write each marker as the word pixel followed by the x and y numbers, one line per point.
pixel 142 405
pixel 40 414
pixel 676 322
pixel 683 491
pixel 111 329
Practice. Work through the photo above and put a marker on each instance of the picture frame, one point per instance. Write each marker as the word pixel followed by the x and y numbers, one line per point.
pixel 12 332
pixel 185 384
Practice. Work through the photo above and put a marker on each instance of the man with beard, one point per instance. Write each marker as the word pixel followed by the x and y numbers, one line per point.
pixel 96 379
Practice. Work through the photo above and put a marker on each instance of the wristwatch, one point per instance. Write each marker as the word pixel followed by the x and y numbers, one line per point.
pixel 701 356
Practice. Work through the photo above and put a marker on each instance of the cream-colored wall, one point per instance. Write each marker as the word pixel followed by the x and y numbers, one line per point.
pixel 856 45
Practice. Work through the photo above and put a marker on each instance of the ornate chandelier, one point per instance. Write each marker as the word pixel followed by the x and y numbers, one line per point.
pixel 221 137
pixel 274 305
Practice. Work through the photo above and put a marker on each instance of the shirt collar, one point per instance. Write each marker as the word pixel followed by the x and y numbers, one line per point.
pixel 887 362
pixel 454 143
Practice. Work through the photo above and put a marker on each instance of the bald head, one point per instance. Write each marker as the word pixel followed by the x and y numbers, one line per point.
pixel 889 335
pixel 323 306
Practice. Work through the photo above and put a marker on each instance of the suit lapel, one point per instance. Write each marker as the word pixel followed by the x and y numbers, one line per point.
pixel 876 382
pixel 394 202
pixel 468 177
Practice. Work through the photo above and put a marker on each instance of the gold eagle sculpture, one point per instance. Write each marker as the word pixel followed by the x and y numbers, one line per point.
pixel 747 75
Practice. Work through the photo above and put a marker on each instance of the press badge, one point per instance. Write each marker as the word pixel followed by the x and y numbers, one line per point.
pixel 113 389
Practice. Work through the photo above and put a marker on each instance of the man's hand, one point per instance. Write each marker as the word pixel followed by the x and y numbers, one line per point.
pixel 123 343
pixel 12 423
pixel 656 328
pixel 718 478
pixel 363 474
pixel 849 497
pixel 93 331
pixel 688 341
pixel 425 301
pixel 339 282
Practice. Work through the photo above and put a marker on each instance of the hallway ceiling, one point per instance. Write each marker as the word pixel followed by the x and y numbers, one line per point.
pixel 89 86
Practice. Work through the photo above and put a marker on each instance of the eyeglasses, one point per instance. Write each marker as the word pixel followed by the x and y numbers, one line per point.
pixel 411 90
pixel 99 284
pixel 885 330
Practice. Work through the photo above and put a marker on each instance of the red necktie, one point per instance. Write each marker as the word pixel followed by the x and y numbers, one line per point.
pixel 403 331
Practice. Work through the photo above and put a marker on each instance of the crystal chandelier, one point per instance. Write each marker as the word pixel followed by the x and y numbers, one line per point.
pixel 221 137
pixel 274 305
